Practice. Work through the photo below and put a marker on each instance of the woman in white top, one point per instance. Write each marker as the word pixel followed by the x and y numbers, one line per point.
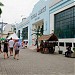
pixel 11 45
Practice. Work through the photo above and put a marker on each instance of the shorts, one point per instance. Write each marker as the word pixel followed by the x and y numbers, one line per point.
pixel 5 50
pixel 16 52
pixel 11 49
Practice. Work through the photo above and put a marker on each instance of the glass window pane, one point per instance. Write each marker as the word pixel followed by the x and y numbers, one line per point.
pixel 65 23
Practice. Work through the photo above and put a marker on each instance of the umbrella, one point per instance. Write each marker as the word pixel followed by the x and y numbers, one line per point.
pixel 1 39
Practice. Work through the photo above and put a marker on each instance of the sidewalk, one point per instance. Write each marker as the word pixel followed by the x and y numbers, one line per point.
pixel 35 63
pixel 32 47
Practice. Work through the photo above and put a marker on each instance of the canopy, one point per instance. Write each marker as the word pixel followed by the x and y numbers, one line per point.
pixel 50 37
pixel 13 36
pixel 2 39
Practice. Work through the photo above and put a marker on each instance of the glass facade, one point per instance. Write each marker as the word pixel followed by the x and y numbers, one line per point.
pixel 64 23
pixel 25 33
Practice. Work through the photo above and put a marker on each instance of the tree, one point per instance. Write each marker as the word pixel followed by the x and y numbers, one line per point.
pixel 0 8
pixel 0 11
pixel 1 4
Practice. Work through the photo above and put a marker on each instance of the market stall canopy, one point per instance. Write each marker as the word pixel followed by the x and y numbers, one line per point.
pixel 1 39
pixel 50 37
pixel 13 36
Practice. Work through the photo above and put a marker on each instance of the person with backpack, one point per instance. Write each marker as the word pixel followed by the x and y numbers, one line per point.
pixel 16 48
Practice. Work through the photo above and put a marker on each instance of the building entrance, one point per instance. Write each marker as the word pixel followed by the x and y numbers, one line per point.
pixel 37 31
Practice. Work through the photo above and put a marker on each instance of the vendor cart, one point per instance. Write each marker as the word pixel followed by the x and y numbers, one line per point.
pixel 48 43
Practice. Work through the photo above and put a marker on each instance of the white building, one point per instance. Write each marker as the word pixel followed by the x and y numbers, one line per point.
pixel 54 16
pixel 8 29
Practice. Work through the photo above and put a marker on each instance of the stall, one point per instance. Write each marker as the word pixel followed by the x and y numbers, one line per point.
pixel 48 43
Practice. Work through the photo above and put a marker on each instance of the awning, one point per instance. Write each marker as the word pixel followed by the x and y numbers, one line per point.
pixel 50 37
pixel 13 36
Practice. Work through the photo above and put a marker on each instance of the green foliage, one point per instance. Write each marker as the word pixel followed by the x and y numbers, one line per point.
pixel 1 4
pixel 0 11
pixel 0 8
pixel 25 33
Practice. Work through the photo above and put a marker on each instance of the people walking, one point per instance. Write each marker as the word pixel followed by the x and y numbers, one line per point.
pixel 11 44
pixel 16 48
pixel 5 50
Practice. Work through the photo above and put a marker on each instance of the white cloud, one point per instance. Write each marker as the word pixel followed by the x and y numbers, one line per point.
pixel 14 9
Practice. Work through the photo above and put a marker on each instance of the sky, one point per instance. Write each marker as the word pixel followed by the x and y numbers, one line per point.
pixel 14 10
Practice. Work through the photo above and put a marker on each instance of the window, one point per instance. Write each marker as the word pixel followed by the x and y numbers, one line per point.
pixel 61 44
pixel 64 23
pixel 69 44
pixel 25 33
pixel 74 44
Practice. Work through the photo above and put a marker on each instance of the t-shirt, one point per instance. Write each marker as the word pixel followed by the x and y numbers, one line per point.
pixel 11 43
pixel 16 46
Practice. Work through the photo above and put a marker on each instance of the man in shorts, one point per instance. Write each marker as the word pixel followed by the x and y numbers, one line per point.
pixel 11 45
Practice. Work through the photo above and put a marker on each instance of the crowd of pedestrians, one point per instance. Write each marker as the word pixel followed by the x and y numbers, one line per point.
pixel 10 46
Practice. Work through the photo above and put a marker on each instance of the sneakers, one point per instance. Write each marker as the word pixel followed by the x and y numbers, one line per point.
pixel 17 59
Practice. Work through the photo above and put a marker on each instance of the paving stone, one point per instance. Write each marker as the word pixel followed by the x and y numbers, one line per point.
pixel 35 63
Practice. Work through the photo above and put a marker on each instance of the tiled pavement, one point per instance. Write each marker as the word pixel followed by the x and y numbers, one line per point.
pixel 35 63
